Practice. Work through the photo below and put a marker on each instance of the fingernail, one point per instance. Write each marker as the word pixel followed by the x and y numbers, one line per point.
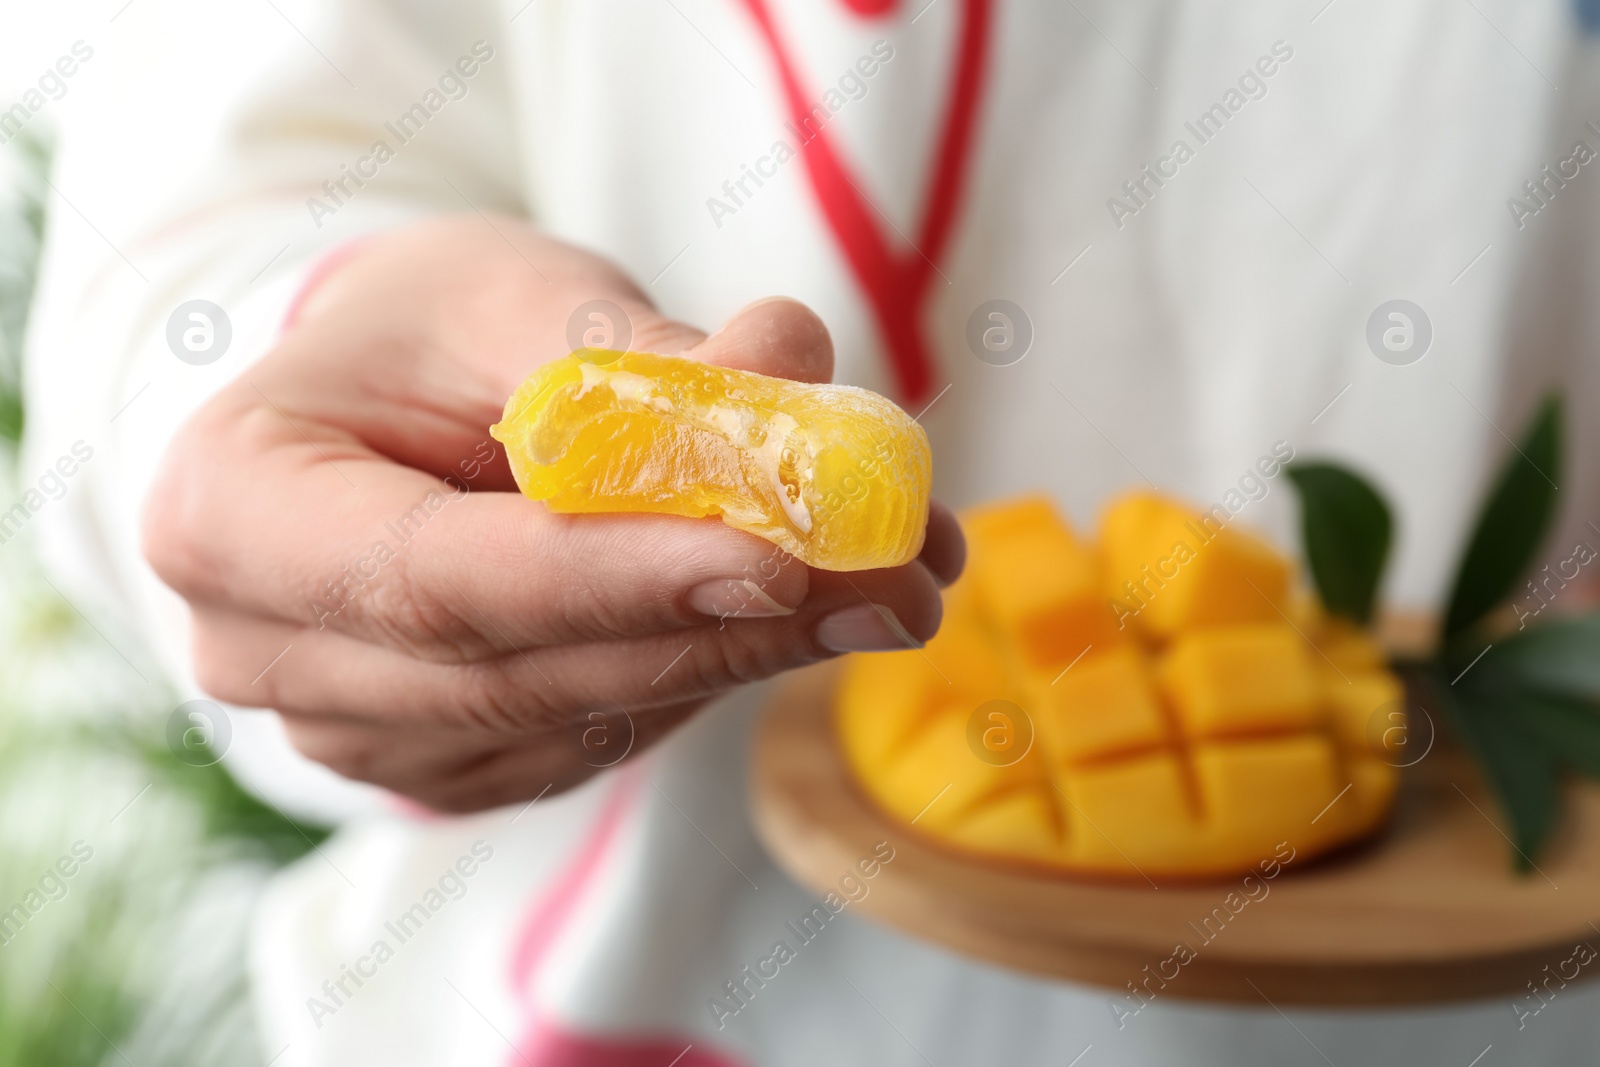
pixel 864 628
pixel 758 303
pixel 739 598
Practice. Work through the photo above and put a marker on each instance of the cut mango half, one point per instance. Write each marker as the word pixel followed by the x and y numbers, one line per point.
pixel 1184 725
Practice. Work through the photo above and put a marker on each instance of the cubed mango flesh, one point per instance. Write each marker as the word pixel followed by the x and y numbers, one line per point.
pixel 1038 582
pixel 1199 746
pixel 1239 680
pixel 1171 569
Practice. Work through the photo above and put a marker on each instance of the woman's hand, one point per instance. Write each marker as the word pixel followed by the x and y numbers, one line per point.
pixel 356 555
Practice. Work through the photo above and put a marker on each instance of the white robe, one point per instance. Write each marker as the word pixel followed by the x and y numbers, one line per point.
pixel 1180 331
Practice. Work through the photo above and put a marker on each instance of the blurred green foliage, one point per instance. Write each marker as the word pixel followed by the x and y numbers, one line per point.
pixel 140 956
pixel 21 242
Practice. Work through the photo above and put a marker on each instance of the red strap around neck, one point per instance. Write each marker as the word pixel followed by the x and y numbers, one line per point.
pixel 895 281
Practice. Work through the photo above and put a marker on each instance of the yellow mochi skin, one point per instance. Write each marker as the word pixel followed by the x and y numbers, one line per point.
pixel 1181 733
pixel 836 476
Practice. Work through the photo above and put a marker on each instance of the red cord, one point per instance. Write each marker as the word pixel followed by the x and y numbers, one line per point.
pixel 895 282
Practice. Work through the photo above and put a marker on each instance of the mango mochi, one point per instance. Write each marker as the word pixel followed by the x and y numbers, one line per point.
pixel 836 476
pixel 1173 717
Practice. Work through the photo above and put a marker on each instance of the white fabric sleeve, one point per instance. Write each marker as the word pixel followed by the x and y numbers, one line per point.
pixel 192 165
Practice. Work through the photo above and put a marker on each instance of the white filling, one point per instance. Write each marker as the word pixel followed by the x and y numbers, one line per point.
pixel 591 375
pixel 769 457
pixel 626 386
pixel 732 423
pixel 633 388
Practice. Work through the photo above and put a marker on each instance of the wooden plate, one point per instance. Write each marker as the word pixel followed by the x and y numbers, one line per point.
pixel 1430 911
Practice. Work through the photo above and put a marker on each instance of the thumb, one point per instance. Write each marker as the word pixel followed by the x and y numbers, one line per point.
pixel 776 336
pixel 650 331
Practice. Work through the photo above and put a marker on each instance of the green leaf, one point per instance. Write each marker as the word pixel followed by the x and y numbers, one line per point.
pixel 10 414
pixel 1518 765
pixel 1559 657
pixel 1513 522
pixel 1346 527
pixel 1570 729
